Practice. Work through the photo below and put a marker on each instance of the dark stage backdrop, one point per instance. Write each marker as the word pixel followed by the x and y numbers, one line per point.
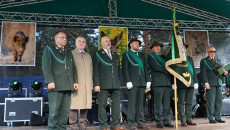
pixel 45 36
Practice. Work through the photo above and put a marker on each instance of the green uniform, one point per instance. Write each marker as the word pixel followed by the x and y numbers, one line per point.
pixel 58 67
pixel 161 86
pixel 106 75
pixel 132 72
pixel 185 94
pixel 214 94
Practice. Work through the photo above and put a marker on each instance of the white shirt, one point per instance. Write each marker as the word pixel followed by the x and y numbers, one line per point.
pixel 108 53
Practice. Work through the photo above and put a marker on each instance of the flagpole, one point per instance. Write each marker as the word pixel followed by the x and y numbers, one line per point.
pixel 175 99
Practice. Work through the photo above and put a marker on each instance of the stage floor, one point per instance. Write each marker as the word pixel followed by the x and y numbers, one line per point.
pixel 203 124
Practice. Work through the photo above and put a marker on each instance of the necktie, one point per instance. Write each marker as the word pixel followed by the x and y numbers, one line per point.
pixel 137 53
pixel 109 54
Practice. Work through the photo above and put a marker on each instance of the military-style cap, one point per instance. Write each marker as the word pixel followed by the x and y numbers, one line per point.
pixel 155 43
pixel 132 40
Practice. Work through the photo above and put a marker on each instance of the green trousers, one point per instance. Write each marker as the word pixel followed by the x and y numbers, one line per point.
pixel 135 105
pixel 185 96
pixel 115 105
pixel 162 104
pixel 214 102
pixel 59 108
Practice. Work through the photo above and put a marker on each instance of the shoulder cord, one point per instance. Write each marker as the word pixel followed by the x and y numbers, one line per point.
pixel 61 61
pixel 208 65
pixel 102 61
pixel 155 60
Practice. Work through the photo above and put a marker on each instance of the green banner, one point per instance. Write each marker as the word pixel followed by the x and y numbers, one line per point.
pixel 177 62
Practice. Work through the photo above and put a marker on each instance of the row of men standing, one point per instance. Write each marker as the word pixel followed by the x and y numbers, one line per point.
pixel 65 72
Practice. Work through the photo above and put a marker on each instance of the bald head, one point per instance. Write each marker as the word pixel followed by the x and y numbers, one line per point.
pixel 106 43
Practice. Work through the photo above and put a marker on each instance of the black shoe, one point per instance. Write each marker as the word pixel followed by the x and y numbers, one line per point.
pixel 160 125
pixel 212 121
pixel 220 121
pixel 168 125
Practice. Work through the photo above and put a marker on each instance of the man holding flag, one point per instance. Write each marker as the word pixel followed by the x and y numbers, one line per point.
pixel 177 62
pixel 137 77
pixel 185 95
pixel 161 86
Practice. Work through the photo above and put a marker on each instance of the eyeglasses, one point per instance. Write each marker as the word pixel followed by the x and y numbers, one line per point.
pixel 212 51
pixel 62 37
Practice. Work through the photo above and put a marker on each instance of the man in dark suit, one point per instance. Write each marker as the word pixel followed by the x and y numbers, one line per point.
pixel 213 86
pixel 185 95
pixel 161 86
pixel 61 76
pixel 137 77
pixel 106 66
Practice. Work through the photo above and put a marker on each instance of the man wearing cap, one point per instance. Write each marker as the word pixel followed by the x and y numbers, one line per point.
pixel 106 67
pixel 161 86
pixel 185 95
pixel 136 76
pixel 212 85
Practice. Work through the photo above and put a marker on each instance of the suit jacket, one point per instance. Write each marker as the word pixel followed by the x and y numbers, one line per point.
pixel 58 67
pixel 106 72
pixel 133 73
pixel 82 99
pixel 193 77
pixel 160 76
pixel 208 75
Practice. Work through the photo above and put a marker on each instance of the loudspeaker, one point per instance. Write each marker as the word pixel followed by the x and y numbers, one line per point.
pixel 36 120
pixel 92 115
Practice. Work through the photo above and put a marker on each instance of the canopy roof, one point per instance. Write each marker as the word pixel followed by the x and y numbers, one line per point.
pixel 146 14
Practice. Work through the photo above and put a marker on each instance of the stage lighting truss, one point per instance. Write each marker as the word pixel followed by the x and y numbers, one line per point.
pixel 15 89
pixel 36 89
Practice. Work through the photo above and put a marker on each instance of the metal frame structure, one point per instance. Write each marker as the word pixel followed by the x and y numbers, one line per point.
pixel 219 24
pixel 112 5
pixel 12 3
pixel 95 21
pixel 188 10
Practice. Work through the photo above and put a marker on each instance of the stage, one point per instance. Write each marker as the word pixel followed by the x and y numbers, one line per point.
pixel 203 124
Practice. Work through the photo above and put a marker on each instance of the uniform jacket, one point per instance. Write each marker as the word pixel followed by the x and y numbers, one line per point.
pixel 160 76
pixel 106 72
pixel 133 73
pixel 193 77
pixel 58 67
pixel 208 75
pixel 82 99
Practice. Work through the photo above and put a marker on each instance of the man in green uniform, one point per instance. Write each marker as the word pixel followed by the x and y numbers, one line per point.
pixel 161 86
pixel 61 76
pixel 106 66
pixel 136 75
pixel 213 86
pixel 185 95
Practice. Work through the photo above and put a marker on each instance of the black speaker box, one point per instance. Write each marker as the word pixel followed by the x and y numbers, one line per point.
pixel 92 115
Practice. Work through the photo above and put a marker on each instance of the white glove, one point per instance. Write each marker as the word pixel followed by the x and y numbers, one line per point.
pixel 173 87
pixel 148 84
pixel 129 85
pixel 196 86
